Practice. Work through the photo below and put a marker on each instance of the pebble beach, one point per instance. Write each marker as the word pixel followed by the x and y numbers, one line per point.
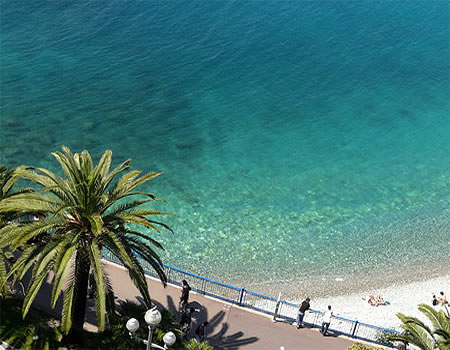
pixel 402 298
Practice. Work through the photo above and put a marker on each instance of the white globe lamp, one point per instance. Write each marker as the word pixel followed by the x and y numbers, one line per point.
pixel 132 325
pixel 152 317
pixel 169 338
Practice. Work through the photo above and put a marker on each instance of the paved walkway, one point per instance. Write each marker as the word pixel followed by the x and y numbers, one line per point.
pixel 230 327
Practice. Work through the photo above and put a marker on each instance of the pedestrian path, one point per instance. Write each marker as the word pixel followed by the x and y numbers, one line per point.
pixel 230 327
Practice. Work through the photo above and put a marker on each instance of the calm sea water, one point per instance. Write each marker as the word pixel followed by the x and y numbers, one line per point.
pixel 302 142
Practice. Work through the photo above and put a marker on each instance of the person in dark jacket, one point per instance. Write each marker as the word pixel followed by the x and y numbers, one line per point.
pixel 301 312
pixel 184 295
pixel 200 331
pixel 186 320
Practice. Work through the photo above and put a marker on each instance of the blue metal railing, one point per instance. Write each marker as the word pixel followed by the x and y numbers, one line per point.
pixel 245 298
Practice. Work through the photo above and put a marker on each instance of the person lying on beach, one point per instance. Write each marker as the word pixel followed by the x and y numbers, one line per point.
pixel 378 300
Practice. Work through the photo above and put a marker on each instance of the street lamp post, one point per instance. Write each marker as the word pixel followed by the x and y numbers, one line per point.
pixel 152 318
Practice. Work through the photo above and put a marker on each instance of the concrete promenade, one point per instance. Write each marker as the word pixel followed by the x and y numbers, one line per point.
pixel 230 327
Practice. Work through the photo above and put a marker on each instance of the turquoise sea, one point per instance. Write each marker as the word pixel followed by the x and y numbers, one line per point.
pixel 305 144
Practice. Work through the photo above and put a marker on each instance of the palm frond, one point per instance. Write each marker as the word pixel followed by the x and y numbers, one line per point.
pixel 68 303
pixel 100 296
pixel 143 236
pixel 438 319
pixel 126 256
pixel 63 266
pixel 33 289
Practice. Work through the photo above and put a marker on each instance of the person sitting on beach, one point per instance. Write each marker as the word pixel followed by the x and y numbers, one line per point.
pixel 442 299
pixel 435 301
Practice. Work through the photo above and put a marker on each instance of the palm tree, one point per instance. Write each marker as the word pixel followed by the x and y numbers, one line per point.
pixel 7 181
pixel 81 217
pixel 418 333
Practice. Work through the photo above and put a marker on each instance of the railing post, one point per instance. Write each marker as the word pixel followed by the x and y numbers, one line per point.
pixel 168 274
pixel 241 296
pixel 203 287
pixel 354 329
pixel 277 307
pixel 316 319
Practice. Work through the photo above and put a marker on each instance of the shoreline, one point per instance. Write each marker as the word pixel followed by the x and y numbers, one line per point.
pixel 341 283
pixel 403 292
pixel 402 297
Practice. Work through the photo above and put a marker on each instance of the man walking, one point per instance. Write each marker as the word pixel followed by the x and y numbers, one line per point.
pixel 326 320
pixel 301 312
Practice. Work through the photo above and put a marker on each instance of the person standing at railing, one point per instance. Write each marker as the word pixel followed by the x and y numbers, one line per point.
pixel 184 298
pixel 301 312
pixel 326 320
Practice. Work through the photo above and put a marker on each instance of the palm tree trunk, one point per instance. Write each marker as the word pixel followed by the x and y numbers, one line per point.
pixel 82 266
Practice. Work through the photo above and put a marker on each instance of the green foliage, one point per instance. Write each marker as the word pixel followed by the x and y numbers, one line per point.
pixel 418 333
pixel 82 214
pixel 383 337
pixel 19 332
pixel 8 181
pixel 114 338
pixel 131 309
pixel 194 345
pixel 359 346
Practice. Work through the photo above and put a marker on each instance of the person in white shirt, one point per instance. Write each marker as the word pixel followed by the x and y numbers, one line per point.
pixel 326 319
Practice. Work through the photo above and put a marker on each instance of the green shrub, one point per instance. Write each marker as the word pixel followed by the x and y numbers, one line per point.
pixel 194 345
pixel 19 332
pixel 359 346
pixel 383 337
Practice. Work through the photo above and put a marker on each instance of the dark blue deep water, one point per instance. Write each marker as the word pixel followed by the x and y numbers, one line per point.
pixel 301 141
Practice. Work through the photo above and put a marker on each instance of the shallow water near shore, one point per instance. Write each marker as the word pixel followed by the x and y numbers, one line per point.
pixel 305 145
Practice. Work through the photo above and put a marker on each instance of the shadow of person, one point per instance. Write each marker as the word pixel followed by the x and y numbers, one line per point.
pixel 332 334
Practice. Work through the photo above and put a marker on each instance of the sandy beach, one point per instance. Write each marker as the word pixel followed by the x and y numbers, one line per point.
pixel 403 298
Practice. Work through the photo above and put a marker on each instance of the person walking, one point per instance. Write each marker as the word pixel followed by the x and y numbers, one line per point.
pixel 200 331
pixel 301 312
pixel 186 320
pixel 185 288
pixel 326 320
